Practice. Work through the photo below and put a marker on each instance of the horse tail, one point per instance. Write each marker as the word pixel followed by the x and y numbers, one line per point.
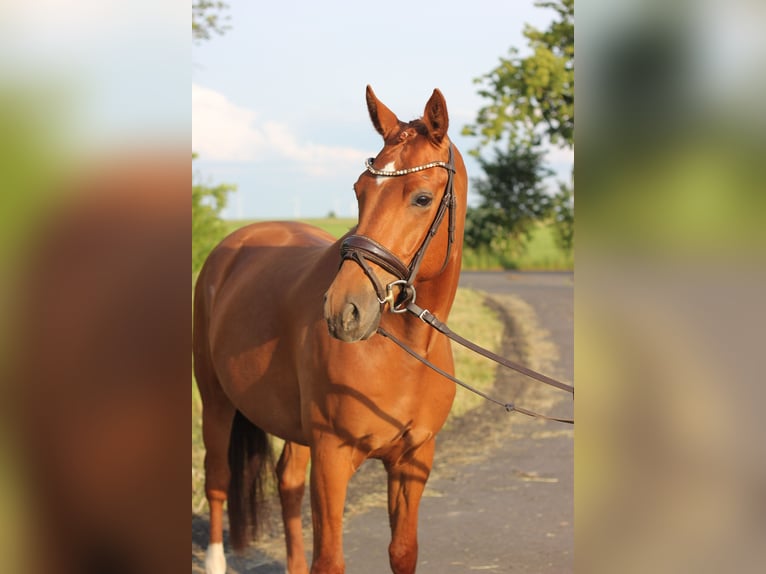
pixel 250 461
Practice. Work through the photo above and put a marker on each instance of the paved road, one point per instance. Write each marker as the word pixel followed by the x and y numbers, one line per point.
pixel 500 498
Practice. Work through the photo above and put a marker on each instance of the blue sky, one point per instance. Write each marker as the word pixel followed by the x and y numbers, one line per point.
pixel 278 101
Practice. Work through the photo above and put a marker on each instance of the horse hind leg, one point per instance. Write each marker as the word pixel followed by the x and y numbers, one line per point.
pixel 291 476
pixel 237 459
pixel 217 417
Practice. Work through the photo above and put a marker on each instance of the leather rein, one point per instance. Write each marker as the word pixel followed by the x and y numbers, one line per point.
pixel 363 250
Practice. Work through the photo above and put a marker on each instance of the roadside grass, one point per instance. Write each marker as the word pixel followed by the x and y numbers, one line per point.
pixel 543 253
pixel 472 319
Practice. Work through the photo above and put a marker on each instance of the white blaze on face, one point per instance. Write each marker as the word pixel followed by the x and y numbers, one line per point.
pixel 390 166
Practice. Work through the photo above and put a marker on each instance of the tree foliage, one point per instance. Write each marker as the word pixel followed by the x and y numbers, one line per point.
pixel 563 217
pixel 513 199
pixel 207 18
pixel 207 226
pixel 207 201
pixel 531 98
pixel 533 95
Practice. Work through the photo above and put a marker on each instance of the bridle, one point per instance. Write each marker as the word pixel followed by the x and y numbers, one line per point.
pixel 363 250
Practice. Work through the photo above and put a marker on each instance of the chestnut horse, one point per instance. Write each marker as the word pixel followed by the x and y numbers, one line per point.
pixel 286 343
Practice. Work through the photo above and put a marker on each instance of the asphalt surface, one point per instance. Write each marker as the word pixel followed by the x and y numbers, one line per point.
pixel 500 497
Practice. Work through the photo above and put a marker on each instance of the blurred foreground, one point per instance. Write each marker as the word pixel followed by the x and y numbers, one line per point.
pixel 94 296
pixel 670 465
pixel 95 394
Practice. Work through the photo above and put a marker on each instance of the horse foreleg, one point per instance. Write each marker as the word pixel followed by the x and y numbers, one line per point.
pixel 332 464
pixel 406 481
pixel 291 473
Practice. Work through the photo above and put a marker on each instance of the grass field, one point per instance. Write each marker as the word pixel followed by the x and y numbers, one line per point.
pixel 541 253
pixel 334 226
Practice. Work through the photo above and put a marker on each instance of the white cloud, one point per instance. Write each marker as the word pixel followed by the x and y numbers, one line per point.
pixel 559 155
pixel 222 130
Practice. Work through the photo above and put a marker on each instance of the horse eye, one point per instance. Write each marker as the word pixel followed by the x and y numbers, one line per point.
pixel 423 200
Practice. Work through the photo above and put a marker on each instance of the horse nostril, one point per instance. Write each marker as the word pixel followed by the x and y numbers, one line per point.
pixel 349 317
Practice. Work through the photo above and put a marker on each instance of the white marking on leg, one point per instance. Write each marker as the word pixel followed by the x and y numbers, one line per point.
pixel 390 166
pixel 215 560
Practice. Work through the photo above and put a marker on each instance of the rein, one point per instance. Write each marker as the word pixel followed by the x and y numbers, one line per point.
pixel 430 319
pixel 363 250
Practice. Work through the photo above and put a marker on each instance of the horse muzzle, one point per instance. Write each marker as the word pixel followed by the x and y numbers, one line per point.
pixel 352 314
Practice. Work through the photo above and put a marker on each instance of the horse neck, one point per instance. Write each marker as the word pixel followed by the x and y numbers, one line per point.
pixel 438 293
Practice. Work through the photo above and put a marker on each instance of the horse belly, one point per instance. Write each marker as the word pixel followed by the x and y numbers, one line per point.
pixel 260 384
pixel 254 329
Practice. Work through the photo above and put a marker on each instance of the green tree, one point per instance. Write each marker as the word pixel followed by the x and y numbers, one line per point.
pixel 513 199
pixel 563 217
pixel 207 201
pixel 207 227
pixel 207 18
pixel 532 96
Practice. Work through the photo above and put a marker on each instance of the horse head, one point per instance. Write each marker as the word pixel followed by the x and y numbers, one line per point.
pixel 411 211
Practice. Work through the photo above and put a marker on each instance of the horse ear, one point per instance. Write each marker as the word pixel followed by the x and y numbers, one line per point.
pixel 436 118
pixel 384 120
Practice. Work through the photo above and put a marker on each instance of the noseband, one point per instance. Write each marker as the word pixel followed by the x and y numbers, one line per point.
pixel 364 250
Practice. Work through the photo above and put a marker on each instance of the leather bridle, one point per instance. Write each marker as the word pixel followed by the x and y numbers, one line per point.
pixel 363 250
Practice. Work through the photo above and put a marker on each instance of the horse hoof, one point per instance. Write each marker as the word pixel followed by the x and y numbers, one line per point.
pixel 215 561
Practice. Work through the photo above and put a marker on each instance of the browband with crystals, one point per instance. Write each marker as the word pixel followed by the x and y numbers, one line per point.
pixel 372 170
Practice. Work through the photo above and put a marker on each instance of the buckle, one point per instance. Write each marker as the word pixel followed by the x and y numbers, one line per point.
pixel 407 295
